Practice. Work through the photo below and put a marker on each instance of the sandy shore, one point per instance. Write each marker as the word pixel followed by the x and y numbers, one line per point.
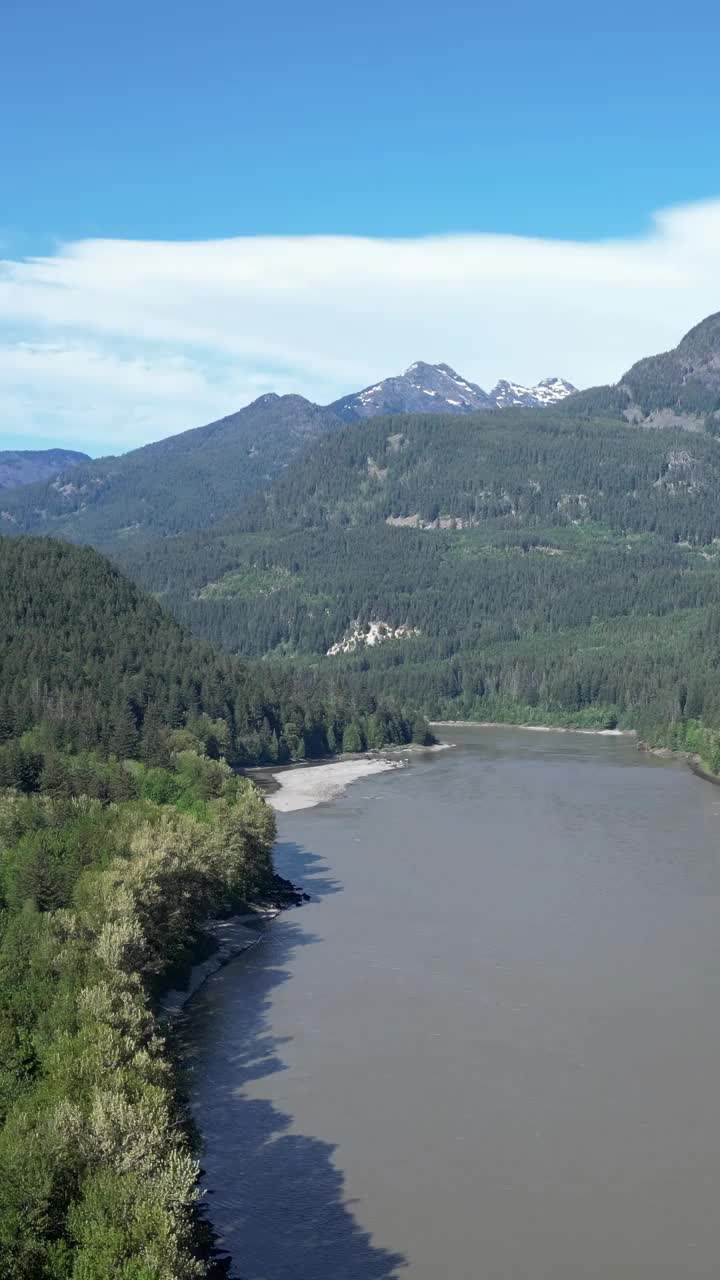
pixel 534 728
pixel 315 784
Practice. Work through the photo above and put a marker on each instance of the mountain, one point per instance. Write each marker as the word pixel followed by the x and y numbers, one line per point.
pixel 94 663
pixel 519 565
pixel 423 388
pixel 509 395
pixel 25 466
pixel 676 388
pixel 188 481
pixel 197 479
pixel 437 388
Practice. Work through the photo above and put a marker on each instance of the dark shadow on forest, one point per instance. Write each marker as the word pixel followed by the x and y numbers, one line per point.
pixel 275 1198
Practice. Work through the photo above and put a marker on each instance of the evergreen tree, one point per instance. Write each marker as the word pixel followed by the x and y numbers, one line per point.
pixel 352 738
pixel 124 738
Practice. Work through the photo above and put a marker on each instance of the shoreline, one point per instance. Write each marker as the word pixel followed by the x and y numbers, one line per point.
pixel 233 937
pixel 533 728
pixel 305 786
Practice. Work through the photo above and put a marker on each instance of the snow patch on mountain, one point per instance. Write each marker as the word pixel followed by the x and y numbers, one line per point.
pixel 438 388
pixel 509 395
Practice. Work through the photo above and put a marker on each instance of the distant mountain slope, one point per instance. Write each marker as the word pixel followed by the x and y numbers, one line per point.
pixel 189 481
pixel 523 564
pixel 197 479
pixel 437 388
pixel 676 388
pixel 26 466
pixel 520 467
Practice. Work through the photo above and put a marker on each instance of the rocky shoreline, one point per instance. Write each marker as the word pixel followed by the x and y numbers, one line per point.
pixel 233 936
pixel 693 761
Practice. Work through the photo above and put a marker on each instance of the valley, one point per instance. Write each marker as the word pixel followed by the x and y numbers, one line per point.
pixel 359 642
pixel 552 564
pixel 288 585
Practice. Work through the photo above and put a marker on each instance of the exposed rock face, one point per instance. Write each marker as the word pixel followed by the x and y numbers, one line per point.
pixel 370 633
pixel 678 388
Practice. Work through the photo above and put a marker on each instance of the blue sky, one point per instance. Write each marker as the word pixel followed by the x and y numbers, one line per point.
pixel 171 122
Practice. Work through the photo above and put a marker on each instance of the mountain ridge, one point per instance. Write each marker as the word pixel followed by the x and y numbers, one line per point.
pixel 676 388
pixel 199 478
pixel 27 466
pixel 195 479
pixel 185 482
pixel 438 388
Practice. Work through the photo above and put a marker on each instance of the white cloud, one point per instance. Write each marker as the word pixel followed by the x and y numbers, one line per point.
pixel 119 342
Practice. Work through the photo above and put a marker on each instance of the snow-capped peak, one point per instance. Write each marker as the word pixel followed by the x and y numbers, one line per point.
pixel 550 391
pixel 438 388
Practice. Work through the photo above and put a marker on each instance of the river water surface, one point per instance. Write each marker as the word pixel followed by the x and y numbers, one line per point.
pixel 489 1047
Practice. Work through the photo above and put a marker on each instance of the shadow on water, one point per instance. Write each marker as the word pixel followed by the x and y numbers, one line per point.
pixel 306 869
pixel 276 1199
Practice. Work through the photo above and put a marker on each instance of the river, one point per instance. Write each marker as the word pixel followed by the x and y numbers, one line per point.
pixel 489 1047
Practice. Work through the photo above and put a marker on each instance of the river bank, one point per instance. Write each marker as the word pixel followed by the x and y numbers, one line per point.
pixel 303 787
pixel 229 937
pixel 291 789
pixel 232 937
pixel 533 728
pixel 693 761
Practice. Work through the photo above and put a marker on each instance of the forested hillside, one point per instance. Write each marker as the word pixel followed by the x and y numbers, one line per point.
pixel 110 866
pixel 194 480
pixel 26 466
pixel 542 567
pixel 679 387
pixel 189 481
pixel 123 831
pixel 89 663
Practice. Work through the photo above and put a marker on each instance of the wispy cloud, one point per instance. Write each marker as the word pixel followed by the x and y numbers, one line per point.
pixel 118 342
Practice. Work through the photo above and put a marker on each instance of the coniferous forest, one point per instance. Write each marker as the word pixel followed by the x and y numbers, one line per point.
pixel 123 830
pixel 546 568
pixel 533 566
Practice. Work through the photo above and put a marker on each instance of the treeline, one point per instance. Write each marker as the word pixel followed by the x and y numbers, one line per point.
pixel 89 663
pixel 98 904
pixel 123 829
pixel 691 737
pixel 109 870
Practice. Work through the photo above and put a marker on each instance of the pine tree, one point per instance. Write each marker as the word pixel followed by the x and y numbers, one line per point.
pixel 352 738
pixel 154 749
pixel 123 740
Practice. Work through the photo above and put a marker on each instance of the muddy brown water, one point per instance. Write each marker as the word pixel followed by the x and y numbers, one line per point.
pixel 489 1047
